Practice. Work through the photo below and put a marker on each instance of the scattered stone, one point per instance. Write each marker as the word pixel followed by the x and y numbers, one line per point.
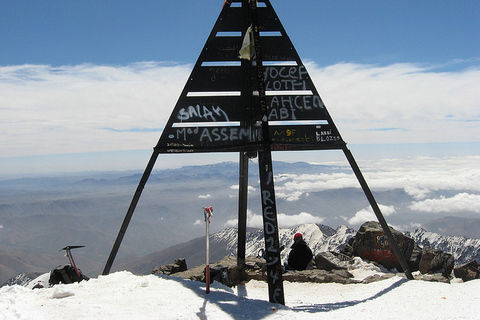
pixel 256 269
pixel 178 266
pixel 323 261
pixel 468 271
pixel 436 261
pixel 377 277
pixel 347 248
pixel 433 277
pixel 342 273
pixel 414 262
pixel 221 274
pixel 319 276
pixel 370 243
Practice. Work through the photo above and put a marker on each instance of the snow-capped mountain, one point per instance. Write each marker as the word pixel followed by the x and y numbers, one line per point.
pixel 21 279
pixel 322 238
pixel 463 249
pixel 319 238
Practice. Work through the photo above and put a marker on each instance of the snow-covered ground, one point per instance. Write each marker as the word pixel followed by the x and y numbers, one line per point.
pixel 122 295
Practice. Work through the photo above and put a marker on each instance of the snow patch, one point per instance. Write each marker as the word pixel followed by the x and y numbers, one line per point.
pixel 123 296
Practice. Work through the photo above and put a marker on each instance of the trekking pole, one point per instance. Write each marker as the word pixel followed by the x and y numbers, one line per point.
pixel 208 213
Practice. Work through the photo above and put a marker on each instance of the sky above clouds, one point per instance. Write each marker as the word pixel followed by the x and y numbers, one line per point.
pixel 90 77
pixel 119 32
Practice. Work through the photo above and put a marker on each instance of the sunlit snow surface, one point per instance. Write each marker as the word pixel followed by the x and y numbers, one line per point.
pixel 122 295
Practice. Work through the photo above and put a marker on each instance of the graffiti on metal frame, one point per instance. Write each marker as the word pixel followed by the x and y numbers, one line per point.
pixel 211 134
pixel 292 107
pixel 286 78
pixel 203 113
pixel 270 229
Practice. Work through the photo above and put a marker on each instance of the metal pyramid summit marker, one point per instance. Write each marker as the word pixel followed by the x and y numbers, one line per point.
pixel 219 110
pixel 250 93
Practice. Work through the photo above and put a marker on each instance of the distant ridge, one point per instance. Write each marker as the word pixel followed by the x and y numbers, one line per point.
pixel 38 216
pixel 455 226
pixel 463 249
pixel 319 237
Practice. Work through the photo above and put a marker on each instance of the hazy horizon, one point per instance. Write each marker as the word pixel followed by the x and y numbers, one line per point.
pixel 136 160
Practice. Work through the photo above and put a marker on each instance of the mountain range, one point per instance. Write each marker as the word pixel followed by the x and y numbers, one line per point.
pixel 320 238
pixel 40 215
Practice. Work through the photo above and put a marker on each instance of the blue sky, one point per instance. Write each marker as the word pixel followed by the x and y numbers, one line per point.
pixel 78 78
pixel 117 32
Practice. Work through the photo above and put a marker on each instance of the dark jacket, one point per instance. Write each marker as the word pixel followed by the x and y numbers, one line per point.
pixel 300 255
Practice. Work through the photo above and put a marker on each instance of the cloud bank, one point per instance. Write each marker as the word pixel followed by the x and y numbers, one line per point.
pixel 85 108
pixel 367 214
pixel 284 220
pixel 400 103
pixel 92 108
pixel 417 176
pixel 459 202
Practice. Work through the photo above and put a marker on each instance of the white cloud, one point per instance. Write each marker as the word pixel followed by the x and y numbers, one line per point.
pixel 284 220
pixel 367 214
pixel 85 108
pixel 288 221
pixel 90 108
pixel 418 176
pixel 205 196
pixel 250 188
pixel 400 103
pixel 198 222
pixel 407 227
pixel 291 196
pixel 295 185
pixel 459 202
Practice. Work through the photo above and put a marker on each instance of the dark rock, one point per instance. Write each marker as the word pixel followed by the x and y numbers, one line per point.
pixel 436 261
pixel 181 263
pixel 468 271
pixel 323 261
pixel 371 243
pixel 433 277
pixel 347 249
pixel 414 262
pixel 234 274
pixel 342 273
pixel 319 276
pixel 377 277
pixel 221 274
pixel 178 266
pixel 38 286
pixel 255 269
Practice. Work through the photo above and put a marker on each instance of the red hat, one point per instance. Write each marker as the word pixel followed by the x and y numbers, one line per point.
pixel 297 236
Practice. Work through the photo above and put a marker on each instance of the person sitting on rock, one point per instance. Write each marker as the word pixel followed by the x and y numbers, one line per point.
pixel 300 255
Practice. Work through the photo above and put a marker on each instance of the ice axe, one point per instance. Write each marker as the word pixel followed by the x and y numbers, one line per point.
pixel 70 257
